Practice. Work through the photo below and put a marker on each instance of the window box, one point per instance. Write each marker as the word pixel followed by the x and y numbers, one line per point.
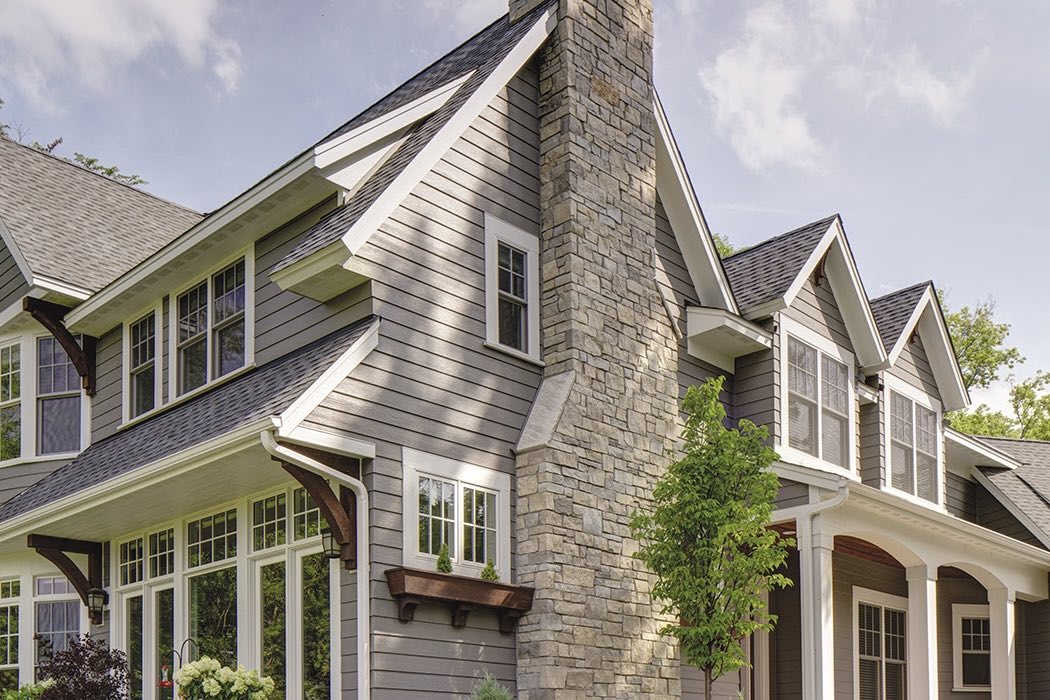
pixel 462 594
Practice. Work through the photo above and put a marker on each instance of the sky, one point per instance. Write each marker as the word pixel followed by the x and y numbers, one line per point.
pixel 924 123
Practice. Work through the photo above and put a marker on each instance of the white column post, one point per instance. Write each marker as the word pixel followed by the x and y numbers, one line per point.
pixel 815 590
pixel 1001 615
pixel 922 632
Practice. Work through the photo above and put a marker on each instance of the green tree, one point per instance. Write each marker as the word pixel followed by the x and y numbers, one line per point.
pixel 980 343
pixel 706 539
pixel 983 421
pixel 722 245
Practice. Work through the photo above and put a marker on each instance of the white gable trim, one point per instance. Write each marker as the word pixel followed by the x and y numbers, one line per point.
pixel 1011 507
pixel 927 318
pixel 16 253
pixel 995 457
pixel 687 219
pixel 842 273
pixel 324 385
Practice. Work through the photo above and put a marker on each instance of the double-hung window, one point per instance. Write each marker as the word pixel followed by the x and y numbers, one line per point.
pixel 881 646
pixel 462 506
pixel 511 289
pixel 142 365
pixel 10 591
pixel 914 437
pixel 819 402
pixel 58 399
pixel 971 647
pixel 211 327
pixel 58 613
pixel 10 401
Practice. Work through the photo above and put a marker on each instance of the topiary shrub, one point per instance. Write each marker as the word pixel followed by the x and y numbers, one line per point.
pixel 489 573
pixel 444 563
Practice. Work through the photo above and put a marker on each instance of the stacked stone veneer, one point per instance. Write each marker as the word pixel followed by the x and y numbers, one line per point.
pixel 593 630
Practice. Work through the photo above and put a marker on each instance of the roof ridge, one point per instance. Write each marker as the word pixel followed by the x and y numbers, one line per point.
pixel 766 242
pixel 927 283
pixel 78 166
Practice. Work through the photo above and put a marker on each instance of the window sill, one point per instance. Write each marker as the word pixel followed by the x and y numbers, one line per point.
pixel 973 689
pixel 790 455
pixel 57 457
pixel 932 505
pixel 461 593
pixel 524 356
pixel 187 396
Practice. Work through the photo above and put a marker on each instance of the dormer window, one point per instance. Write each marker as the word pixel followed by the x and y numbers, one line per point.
pixel 143 365
pixel 914 444
pixel 58 399
pixel 10 401
pixel 818 415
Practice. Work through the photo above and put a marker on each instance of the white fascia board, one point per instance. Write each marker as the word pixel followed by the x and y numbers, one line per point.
pixel 16 253
pixel 927 319
pixel 296 413
pixel 1010 506
pixel 42 285
pixel 201 231
pixel 996 458
pixel 687 219
pixel 442 141
pixel 386 125
pixel 330 442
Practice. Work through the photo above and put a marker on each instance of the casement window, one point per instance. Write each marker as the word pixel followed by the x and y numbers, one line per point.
pixel 212 326
pixel 512 289
pixel 971 647
pixel 880 663
pixel 10 590
pixel 143 375
pixel 10 401
pixel 58 400
pixel 819 413
pixel 463 506
pixel 58 613
pixel 914 437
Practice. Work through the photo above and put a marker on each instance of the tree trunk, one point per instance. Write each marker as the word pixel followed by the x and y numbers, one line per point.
pixel 708 684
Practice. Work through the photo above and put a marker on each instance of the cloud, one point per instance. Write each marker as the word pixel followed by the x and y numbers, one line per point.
pixel 466 15
pixel 907 77
pixel 45 46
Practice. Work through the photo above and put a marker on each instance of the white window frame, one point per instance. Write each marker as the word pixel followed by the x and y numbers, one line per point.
pixel 172 346
pixel 158 360
pixel 30 632
pixel 418 464
pixel 16 603
pixel 882 600
pixel 959 611
pixel 498 231
pixel 246 562
pixel 921 398
pixel 30 413
pixel 20 401
pixel 790 328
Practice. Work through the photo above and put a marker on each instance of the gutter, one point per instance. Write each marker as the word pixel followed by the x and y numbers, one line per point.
pixel 286 454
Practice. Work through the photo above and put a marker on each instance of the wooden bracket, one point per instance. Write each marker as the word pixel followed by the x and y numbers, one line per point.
pixel 340 511
pixel 81 354
pixel 57 550
pixel 820 274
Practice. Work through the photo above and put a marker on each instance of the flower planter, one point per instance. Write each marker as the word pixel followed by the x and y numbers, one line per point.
pixel 461 593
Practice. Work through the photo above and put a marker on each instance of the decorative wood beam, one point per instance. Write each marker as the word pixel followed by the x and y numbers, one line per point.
pixel 81 354
pixel 340 511
pixel 57 550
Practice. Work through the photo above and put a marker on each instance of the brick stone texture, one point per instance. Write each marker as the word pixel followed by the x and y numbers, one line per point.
pixel 593 631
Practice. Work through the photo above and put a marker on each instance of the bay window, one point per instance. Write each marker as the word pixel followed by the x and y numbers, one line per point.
pixel 880 644
pixel 58 399
pixel 914 446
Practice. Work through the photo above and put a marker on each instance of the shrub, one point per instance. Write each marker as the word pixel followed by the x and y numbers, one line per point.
pixel 87 670
pixel 488 688
pixel 207 679
pixel 444 563
pixel 29 691
pixel 489 573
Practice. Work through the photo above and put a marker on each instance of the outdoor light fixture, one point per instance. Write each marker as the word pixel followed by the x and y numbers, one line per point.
pixel 96 602
pixel 332 549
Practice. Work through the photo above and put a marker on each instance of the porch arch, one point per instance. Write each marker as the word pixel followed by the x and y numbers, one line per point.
pixel 904 555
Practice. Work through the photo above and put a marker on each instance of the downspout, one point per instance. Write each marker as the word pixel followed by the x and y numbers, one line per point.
pixel 285 454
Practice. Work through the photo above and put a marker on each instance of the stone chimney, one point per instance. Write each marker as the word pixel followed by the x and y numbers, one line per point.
pixel 610 382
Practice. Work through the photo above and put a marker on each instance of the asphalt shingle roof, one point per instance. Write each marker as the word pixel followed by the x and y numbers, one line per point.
pixel 265 391
pixel 76 226
pixel 1028 486
pixel 482 54
pixel 893 310
pixel 765 272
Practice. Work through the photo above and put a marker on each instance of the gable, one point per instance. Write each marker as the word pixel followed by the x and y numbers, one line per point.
pixel 816 307
pixel 913 366
pixel 13 281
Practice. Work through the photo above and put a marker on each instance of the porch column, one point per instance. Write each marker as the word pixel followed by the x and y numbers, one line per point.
pixel 818 631
pixel 1001 616
pixel 922 632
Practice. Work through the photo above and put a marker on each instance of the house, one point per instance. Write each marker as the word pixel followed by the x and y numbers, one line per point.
pixel 464 318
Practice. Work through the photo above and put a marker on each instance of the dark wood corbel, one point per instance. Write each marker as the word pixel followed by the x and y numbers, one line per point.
pixel 81 354
pixel 340 511
pixel 57 550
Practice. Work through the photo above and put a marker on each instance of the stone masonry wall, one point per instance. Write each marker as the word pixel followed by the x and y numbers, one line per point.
pixel 593 631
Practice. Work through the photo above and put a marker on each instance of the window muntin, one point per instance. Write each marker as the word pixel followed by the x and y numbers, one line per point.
pixel 57 613
pixel 10 401
pixel 131 562
pixel 212 538
pixel 511 289
pixel 437 515
pixel 9 593
pixel 142 375
pixel 914 438
pixel 162 553
pixel 479 525
pixel 307 520
pixel 228 330
pixel 819 411
pixel 513 300
pixel 192 344
pixel 881 652
pixel 58 399
pixel 269 522
pixel 971 647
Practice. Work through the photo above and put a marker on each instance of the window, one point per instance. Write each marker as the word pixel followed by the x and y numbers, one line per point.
pixel 306 516
pixel 269 522
pixel 9 593
pixel 212 538
pixel 972 647
pixel 142 365
pixel 162 553
pixel 211 326
pixel 819 404
pixel 460 505
pixel 57 611
pixel 511 289
pixel 914 438
pixel 131 562
pixel 881 645
pixel 58 399
pixel 10 402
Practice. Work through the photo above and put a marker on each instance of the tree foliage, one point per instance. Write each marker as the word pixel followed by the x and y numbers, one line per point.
pixel 980 344
pixel 722 245
pixel 706 538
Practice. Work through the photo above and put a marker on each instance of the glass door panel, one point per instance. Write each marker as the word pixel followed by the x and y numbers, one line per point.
pixel 133 635
pixel 274 624
pixel 213 615
pixel 316 643
pixel 164 612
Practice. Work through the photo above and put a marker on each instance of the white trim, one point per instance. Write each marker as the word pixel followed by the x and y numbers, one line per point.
pixel 687 218
pixel 416 463
pixel 49 284
pixel 824 346
pixel 498 231
pixel 959 611
pixel 881 600
pixel 330 442
pixel 997 457
pixel 918 397
pixel 324 385
pixel 158 360
pixel 718 337
pixel 1012 507
pixel 16 252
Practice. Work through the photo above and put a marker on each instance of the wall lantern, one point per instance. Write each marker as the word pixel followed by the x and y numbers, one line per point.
pixel 96 602
pixel 332 549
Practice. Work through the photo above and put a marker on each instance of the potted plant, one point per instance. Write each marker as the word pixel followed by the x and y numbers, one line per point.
pixel 207 679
